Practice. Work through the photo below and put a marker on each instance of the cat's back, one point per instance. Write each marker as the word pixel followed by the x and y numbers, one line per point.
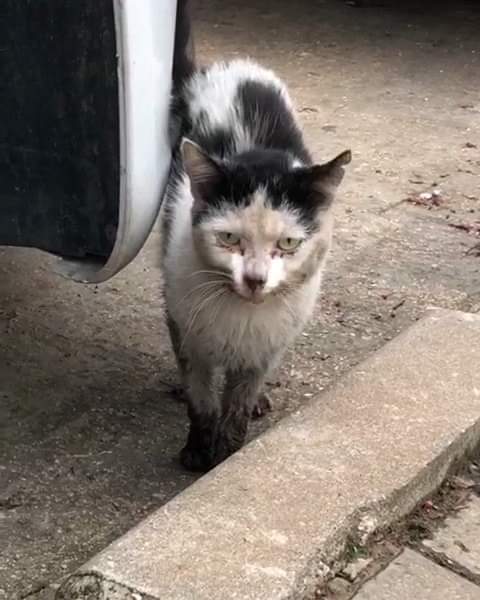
pixel 214 95
pixel 236 106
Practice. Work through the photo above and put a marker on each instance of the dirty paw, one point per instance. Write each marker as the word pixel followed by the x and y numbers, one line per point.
pixel 198 460
pixel 178 393
pixel 262 406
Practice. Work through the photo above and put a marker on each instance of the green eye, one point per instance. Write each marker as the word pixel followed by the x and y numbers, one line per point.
pixel 289 244
pixel 228 239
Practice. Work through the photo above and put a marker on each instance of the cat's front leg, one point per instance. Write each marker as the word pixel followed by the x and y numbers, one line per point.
pixel 262 406
pixel 241 392
pixel 204 414
pixel 178 391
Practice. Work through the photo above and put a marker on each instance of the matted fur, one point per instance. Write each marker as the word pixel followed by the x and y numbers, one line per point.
pixel 243 174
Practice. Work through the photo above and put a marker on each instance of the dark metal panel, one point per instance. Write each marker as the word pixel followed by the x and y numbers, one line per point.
pixel 59 135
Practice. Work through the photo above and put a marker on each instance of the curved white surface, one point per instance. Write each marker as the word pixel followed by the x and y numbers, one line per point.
pixel 145 41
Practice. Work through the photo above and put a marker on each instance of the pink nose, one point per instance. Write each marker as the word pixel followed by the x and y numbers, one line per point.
pixel 254 283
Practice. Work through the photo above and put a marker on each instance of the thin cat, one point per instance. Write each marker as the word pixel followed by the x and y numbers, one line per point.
pixel 247 225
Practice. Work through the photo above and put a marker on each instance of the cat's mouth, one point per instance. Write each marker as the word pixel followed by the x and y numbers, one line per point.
pixel 257 297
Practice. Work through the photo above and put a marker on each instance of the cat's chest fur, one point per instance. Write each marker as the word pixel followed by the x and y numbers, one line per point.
pixel 226 330
pixel 229 331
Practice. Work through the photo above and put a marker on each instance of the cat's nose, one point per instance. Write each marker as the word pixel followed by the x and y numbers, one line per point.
pixel 254 283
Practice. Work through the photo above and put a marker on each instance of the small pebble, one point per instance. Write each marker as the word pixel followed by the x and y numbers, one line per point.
pixel 339 585
pixel 425 196
pixel 353 570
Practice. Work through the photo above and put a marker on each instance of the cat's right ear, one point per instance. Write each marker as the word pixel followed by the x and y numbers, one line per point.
pixel 203 171
pixel 327 177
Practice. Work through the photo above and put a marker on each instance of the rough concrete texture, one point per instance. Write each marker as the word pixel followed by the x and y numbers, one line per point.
pixel 413 577
pixel 459 540
pixel 85 417
pixel 266 523
pixel 353 569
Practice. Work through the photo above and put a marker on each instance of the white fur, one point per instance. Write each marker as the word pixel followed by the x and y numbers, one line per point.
pixel 276 274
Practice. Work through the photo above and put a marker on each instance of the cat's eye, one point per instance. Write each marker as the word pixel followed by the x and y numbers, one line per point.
pixel 228 239
pixel 289 244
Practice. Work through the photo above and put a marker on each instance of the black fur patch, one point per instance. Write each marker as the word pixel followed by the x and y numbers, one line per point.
pixel 245 173
pixel 184 50
pixel 216 142
pixel 256 100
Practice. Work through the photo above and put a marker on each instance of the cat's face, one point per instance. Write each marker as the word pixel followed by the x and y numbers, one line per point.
pixel 260 221
pixel 263 249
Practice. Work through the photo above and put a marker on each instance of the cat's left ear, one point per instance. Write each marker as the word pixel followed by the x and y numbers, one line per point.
pixel 324 179
pixel 203 171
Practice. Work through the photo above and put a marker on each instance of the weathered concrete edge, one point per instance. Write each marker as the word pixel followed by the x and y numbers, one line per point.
pixel 90 584
pixel 95 586
pixel 363 522
pixel 367 519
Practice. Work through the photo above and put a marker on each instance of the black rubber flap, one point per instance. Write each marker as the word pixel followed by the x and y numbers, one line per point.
pixel 59 127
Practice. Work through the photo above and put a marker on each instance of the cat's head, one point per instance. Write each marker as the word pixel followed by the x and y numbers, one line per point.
pixel 260 218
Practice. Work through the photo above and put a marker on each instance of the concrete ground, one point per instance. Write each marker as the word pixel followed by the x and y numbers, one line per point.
pixel 88 430
pixel 332 481
pixel 411 575
pixel 446 564
pixel 435 553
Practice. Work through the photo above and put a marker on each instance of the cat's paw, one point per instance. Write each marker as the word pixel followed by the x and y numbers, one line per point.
pixel 198 453
pixel 229 441
pixel 198 460
pixel 262 406
pixel 179 394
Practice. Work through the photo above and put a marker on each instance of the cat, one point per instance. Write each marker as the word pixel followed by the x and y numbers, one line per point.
pixel 246 224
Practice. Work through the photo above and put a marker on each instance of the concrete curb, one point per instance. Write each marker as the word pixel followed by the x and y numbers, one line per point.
pixel 268 523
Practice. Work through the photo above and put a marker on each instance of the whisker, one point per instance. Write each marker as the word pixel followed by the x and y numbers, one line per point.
pixel 220 301
pixel 288 306
pixel 209 272
pixel 196 311
pixel 201 286
pixel 202 294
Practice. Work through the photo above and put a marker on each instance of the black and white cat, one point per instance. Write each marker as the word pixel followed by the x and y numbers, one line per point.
pixel 247 226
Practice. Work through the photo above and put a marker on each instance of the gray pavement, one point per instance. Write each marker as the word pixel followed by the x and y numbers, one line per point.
pixel 444 564
pixel 458 542
pixel 413 577
pixel 268 523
